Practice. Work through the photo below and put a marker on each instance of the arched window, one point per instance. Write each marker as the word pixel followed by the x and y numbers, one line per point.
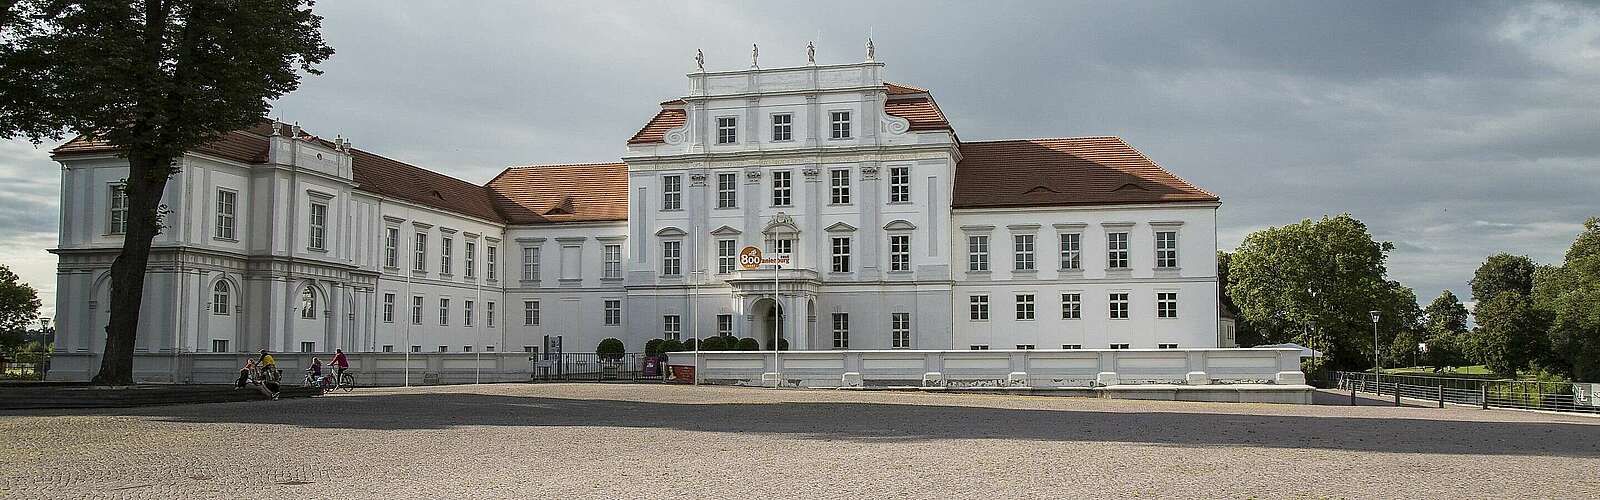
pixel 221 298
pixel 308 303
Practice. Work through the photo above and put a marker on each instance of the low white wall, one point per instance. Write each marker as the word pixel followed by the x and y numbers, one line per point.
pixel 389 368
pixel 1042 368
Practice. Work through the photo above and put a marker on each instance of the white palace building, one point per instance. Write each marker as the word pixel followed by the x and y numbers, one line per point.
pixel 901 235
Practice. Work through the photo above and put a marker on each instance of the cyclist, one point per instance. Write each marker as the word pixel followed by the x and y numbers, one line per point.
pixel 315 371
pixel 339 364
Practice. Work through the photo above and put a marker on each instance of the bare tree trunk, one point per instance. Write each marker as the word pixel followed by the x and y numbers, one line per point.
pixel 147 179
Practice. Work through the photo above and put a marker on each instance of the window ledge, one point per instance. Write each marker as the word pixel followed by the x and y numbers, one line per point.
pixel 229 240
pixel 1024 271
pixel 317 250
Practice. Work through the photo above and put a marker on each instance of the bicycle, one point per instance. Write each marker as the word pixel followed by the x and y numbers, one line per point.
pixel 344 380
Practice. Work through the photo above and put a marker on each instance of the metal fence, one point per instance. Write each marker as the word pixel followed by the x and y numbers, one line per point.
pixel 590 366
pixel 1483 393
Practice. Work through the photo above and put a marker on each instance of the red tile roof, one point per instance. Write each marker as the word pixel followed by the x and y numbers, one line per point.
pixel 1059 172
pixel 371 172
pixel 656 130
pixel 899 89
pixel 539 194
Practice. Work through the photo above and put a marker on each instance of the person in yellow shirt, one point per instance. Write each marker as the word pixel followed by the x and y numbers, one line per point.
pixel 268 366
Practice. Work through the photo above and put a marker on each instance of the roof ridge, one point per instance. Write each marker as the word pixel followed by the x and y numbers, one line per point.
pixel 425 169
pixel 1037 139
pixel 509 168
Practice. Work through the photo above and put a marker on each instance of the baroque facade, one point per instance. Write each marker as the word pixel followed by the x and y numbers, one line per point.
pixel 900 234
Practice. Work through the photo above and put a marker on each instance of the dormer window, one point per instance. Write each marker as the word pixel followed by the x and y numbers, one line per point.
pixel 727 130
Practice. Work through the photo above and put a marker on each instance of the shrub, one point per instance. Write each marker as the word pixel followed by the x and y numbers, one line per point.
pixel 653 347
pixel 713 344
pixel 783 344
pixel 610 349
pixel 671 345
pixel 749 344
pixel 689 345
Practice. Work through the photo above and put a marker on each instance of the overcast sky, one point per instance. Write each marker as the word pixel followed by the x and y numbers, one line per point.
pixel 1455 130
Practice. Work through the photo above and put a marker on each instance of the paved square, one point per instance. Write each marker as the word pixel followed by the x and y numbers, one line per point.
pixel 647 441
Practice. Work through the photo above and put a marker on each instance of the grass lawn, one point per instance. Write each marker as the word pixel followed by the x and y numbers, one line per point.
pixel 1474 371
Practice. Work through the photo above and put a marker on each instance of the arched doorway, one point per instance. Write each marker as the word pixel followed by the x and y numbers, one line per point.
pixel 769 316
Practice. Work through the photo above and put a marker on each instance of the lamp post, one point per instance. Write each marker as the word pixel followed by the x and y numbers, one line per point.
pixel 1376 367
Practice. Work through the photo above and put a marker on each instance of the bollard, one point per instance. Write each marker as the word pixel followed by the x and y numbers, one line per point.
pixel 1441 395
pixel 1352 395
pixel 1483 395
pixel 1397 394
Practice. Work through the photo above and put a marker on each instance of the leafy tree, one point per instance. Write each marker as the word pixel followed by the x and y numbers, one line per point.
pixel 1446 325
pixel 1244 334
pixel 1503 272
pixel 19 303
pixel 610 348
pixel 1313 282
pixel 1569 296
pixel 1509 334
pixel 155 78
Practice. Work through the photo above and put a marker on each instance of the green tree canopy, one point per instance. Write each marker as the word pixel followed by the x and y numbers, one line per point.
pixel 1509 334
pixel 1503 272
pixel 1446 326
pixel 19 303
pixel 1569 296
pixel 1320 276
pixel 155 78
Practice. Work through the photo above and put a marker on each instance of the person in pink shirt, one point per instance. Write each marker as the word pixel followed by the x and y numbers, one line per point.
pixel 339 363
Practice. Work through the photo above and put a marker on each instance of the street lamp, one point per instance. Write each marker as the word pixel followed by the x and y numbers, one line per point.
pixel 1376 367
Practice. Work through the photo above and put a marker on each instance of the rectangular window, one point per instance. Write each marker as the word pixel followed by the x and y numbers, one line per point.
pixel 528 348
pixel 841 254
pixel 1167 304
pixel 416 310
pixel 319 226
pixel 446 248
pixel 979 347
pixel 488 348
pixel 671 192
pixel 471 259
pixel 611 255
pixel 977 253
pixel 783 127
pixel 671 258
pixel 308 347
pixel 416 348
pixel 530 312
pixel 613 312
pixel 781 188
pixel 488 314
pixel 444 348
pixel 1025 347
pixel 841 330
pixel 1071 251
pixel 1072 306
pixel 466 348
pixel 840 121
pixel 781 246
pixel 118 221
pixel 725 325
pixel 1119 346
pixel 900 330
pixel 444 312
pixel 391 247
pixel 899 184
pixel 727 190
pixel 1166 346
pixel 727 130
pixel 493 257
pixel 1025 307
pixel 419 260
pixel 900 252
pixel 388 308
pixel 671 327
pixel 978 306
pixel 1119 305
pixel 221 296
pixel 219 345
pixel 839 184
pixel 388 348
pixel 1166 249
pixel 1071 346
pixel 727 256
pixel 1022 249
pixel 466 313
pixel 225 213
pixel 530 263
pixel 1117 250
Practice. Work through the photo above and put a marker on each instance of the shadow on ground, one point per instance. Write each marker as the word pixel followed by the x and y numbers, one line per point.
pixel 883 422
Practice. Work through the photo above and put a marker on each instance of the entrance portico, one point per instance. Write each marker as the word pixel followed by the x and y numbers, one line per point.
pixel 796 292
